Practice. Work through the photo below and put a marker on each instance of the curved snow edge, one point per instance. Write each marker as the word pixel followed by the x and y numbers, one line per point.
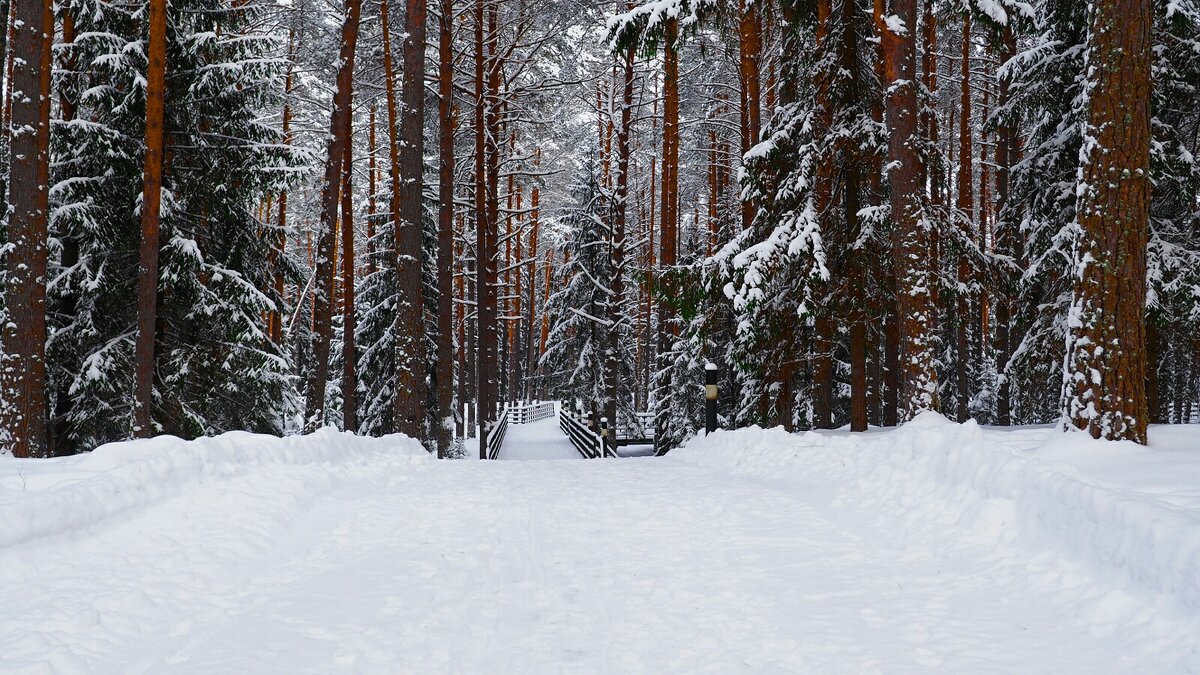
pixel 131 474
pixel 1000 493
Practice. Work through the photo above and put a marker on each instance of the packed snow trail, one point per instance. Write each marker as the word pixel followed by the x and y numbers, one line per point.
pixel 537 440
pixel 335 554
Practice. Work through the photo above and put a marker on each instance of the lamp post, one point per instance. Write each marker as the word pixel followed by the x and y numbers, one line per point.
pixel 603 436
pixel 710 397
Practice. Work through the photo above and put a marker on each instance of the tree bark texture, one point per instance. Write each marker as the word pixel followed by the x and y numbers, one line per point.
pixel 1105 379
pixel 444 433
pixel 24 365
pixel 147 297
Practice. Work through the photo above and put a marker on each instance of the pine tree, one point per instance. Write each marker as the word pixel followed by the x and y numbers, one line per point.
pixel 216 367
pixel 1105 378
pixel 24 349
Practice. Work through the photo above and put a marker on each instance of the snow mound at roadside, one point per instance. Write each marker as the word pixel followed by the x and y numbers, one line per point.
pixel 971 482
pixel 40 498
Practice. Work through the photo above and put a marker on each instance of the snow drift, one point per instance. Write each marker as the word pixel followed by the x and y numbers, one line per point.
pixel 40 498
pixel 1001 487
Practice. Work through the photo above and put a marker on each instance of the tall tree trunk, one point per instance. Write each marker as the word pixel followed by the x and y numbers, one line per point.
pixel 443 435
pixel 314 409
pixel 486 348
pixel 397 191
pixel 410 306
pixel 517 360
pixel 616 299
pixel 492 152
pixel 24 372
pixel 280 239
pixel 966 208
pixel 485 262
pixel 460 323
pixel 506 309
pixel 147 314
pixel 857 257
pixel 64 403
pixel 667 328
pixel 349 356
pixel 1105 379
pixel 911 227
pixel 534 226
pixel 822 345
pixel 372 191
pixel 1006 233
pixel 749 53
pixel 889 347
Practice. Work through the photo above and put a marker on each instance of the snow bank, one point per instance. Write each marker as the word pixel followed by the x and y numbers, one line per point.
pixel 39 498
pixel 1000 488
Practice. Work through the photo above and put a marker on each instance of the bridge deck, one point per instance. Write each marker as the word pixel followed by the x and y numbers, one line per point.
pixel 537 440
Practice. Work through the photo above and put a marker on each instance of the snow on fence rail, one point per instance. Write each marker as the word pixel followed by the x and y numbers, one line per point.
pixel 525 413
pixel 496 435
pixel 586 441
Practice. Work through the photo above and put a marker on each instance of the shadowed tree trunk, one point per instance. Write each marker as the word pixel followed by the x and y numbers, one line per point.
pixel 616 300
pixel 147 314
pixel 966 207
pixel 314 408
pixel 411 365
pixel 484 244
pixel 1006 232
pixel 24 364
pixel 349 357
pixel 444 433
pixel 668 245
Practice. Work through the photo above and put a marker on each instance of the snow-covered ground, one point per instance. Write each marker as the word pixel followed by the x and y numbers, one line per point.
pixel 936 547
pixel 538 440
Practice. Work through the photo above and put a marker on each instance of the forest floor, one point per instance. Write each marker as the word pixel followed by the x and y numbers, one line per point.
pixel 936 547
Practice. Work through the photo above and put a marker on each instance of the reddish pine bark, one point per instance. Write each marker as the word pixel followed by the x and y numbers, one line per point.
pixel 24 365
pixel 147 314
pixel 314 407
pixel 749 57
pixel 349 355
pixel 1105 381
pixel 911 230
pixel 966 206
pixel 669 240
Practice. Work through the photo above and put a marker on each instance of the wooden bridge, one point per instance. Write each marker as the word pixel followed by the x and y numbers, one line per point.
pixel 529 431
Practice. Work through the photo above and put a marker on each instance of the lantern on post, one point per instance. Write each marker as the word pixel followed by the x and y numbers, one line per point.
pixel 710 397
pixel 603 436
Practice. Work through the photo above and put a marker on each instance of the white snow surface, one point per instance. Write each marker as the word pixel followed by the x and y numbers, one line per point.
pixel 936 547
pixel 537 440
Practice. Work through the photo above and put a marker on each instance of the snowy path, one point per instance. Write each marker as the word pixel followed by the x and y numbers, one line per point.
pixel 386 563
pixel 538 440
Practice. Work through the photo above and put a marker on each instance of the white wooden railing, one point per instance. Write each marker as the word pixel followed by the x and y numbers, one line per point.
pixel 525 413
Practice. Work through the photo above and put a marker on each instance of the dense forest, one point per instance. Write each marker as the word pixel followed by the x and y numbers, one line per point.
pixel 278 216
